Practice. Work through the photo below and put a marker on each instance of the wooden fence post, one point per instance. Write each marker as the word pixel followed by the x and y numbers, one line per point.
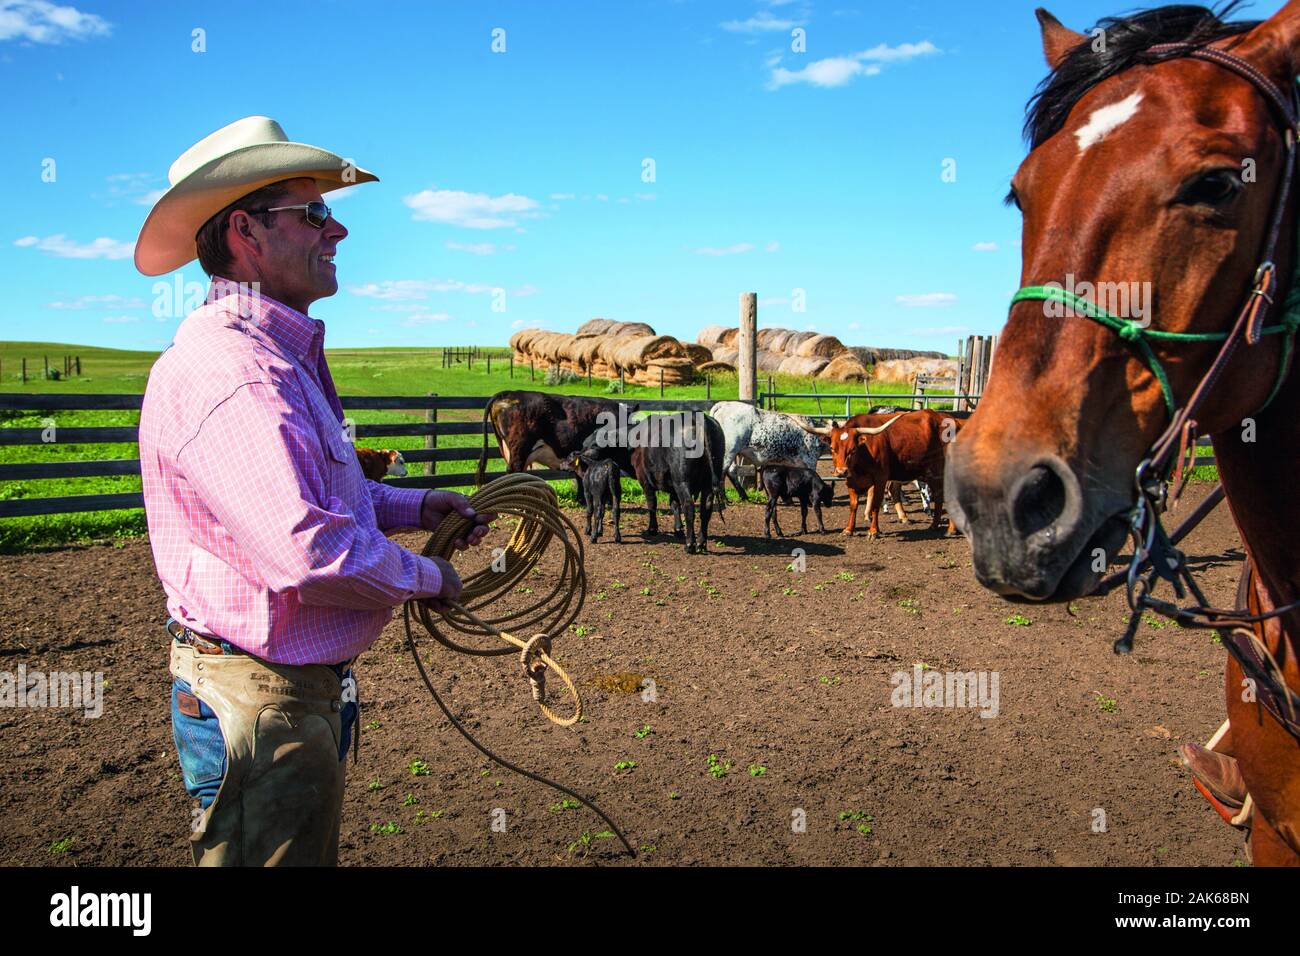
pixel 431 441
pixel 747 343
pixel 24 369
pixel 819 399
pixel 489 363
pixel 78 366
pixel 708 387
pixel 532 372
pixel 47 365
pixel 512 363
pixel 589 376
pixel 622 382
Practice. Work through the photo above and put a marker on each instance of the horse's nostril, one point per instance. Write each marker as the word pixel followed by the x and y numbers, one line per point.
pixel 1038 500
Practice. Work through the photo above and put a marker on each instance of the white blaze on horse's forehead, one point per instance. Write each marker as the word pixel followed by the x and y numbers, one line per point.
pixel 1106 120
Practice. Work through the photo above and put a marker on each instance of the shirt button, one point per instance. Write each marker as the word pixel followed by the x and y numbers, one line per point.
pixel 336 705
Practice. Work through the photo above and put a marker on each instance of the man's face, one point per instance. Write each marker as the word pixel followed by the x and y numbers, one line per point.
pixel 297 258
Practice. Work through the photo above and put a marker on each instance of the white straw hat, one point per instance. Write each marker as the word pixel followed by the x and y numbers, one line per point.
pixel 222 167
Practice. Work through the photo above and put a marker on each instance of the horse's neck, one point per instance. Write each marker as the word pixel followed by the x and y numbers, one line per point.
pixel 1259 477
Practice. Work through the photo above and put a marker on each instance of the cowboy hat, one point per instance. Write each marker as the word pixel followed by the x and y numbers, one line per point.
pixel 220 168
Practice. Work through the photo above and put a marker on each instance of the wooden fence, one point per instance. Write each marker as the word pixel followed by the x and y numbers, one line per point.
pixel 431 429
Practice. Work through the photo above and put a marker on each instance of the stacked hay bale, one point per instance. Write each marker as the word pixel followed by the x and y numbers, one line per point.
pixel 907 370
pixel 605 348
pixel 786 352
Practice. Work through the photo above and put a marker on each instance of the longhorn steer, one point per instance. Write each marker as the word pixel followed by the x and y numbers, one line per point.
pixel 871 450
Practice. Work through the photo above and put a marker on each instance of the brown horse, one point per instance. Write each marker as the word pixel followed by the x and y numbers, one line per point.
pixel 1156 174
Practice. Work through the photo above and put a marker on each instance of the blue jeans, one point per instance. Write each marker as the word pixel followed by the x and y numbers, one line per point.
pixel 202 748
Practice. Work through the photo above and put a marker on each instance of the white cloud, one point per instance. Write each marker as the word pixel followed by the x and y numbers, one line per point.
pixel 761 22
pixel 927 300
pixel 839 70
pixel 528 324
pixel 409 290
pixel 99 301
pixel 475 248
pixel 776 300
pixel 525 290
pixel 772 246
pixel 121 318
pixel 601 197
pixel 853 326
pixel 470 210
pixel 647 197
pixel 65 248
pixel 558 196
pixel 985 247
pixel 334 195
pixel 737 249
pixel 39 21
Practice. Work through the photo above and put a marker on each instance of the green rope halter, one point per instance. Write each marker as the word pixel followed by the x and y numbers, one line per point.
pixel 1140 337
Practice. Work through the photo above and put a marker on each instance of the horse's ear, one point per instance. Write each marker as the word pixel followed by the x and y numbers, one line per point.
pixel 1274 45
pixel 1058 39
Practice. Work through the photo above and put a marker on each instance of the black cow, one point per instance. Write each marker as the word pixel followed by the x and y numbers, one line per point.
pixel 794 484
pixel 603 485
pixel 536 428
pixel 686 466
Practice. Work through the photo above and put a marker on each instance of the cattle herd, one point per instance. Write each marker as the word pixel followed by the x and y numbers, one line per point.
pixel 690 456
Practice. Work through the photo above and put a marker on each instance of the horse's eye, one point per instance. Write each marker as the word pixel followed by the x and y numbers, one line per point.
pixel 1216 188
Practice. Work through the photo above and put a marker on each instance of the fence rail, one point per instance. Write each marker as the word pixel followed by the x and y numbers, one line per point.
pixel 129 434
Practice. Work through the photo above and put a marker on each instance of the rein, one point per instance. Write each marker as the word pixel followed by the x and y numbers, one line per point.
pixel 1152 545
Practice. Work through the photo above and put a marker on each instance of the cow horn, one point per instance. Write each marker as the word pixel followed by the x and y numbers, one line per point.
pixel 878 430
pixel 819 432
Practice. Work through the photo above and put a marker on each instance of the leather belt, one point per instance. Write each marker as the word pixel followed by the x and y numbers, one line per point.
pixel 204 645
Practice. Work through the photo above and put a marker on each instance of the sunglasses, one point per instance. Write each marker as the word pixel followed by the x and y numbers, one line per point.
pixel 317 212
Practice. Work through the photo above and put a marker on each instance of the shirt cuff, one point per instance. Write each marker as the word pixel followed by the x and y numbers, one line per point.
pixel 397 507
pixel 428 577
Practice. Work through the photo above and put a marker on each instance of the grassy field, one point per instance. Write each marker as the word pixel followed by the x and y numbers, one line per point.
pixel 378 371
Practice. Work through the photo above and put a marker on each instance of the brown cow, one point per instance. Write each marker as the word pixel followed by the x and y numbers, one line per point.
pixel 871 450
pixel 376 464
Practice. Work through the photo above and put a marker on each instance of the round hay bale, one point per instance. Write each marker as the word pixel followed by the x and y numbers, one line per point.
pixel 802 366
pixel 585 349
pixel 716 368
pixel 845 367
pixel 780 341
pixel 906 370
pixel 729 338
pixel 522 340
pixel 631 328
pixel 595 327
pixel 765 337
pixel 822 346
pixel 632 351
pixel 769 361
pixel 710 335
pixel 797 339
pixel 698 354
pixel 726 355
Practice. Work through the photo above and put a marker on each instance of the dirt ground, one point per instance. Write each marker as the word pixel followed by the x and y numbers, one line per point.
pixel 782 678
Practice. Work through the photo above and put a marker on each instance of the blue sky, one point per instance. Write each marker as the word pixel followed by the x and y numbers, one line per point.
pixel 815 175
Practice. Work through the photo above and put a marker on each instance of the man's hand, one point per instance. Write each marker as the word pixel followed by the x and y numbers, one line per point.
pixel 438 504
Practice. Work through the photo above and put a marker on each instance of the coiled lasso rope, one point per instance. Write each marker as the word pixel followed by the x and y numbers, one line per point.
pixel 541 522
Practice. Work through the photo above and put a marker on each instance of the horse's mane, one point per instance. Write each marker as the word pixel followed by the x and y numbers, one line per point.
pixel 1127 40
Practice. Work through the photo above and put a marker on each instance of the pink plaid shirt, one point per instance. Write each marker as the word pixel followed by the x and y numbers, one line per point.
pixel 264 531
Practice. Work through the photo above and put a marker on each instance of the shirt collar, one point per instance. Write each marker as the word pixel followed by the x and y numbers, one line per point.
pixel 299 334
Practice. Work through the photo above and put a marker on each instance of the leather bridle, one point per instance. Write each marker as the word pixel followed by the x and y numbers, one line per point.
pixel 1152 545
